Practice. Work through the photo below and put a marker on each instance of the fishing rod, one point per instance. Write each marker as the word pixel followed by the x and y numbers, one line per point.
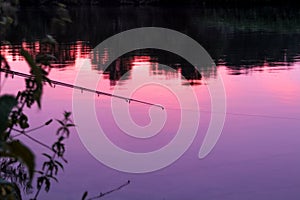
pixel 82 88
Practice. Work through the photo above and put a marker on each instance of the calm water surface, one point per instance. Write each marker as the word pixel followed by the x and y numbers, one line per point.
pixel 257 156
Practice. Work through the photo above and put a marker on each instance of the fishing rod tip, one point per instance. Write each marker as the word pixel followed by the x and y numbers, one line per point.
pixel 160 106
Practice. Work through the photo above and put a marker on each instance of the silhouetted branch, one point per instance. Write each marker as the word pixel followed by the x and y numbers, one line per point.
pixel 31 138
pixel 106 193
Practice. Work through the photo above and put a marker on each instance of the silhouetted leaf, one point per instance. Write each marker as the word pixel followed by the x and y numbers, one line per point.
pixel 47 155
pixel 37 96
pixel 30 61
pixel 17 150
pixel 70 125
pixel 67 114
pixel 59 148
pixel 48 122
pixel 84 195
pixel 40 181
pixel 59 164
pixel 47 80
pixel 7 102
pixel 36 71
pixel 52 177
pixel 63 131
pixel 9 191
pixel 44 165
pixel 55 168
pixel 60 122
pixel 47 184
pixel 23 121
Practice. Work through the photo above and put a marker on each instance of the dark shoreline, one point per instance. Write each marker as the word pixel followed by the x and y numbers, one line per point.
pixel 287 4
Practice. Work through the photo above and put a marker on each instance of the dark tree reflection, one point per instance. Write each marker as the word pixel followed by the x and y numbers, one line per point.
pixel 241 39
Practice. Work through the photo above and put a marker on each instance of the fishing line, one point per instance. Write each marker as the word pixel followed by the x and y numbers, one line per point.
pixel 237 114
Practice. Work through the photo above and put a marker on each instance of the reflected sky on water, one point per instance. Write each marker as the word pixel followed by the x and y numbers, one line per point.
pixel 257 154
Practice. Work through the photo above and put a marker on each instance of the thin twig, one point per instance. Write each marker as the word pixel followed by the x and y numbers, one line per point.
pixel 31 130
pixel 111 191
pixel 31 138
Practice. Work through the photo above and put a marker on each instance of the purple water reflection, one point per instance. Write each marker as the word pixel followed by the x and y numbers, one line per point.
pixel 257 156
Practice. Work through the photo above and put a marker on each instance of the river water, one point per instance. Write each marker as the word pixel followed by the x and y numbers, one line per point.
pixel 256 54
